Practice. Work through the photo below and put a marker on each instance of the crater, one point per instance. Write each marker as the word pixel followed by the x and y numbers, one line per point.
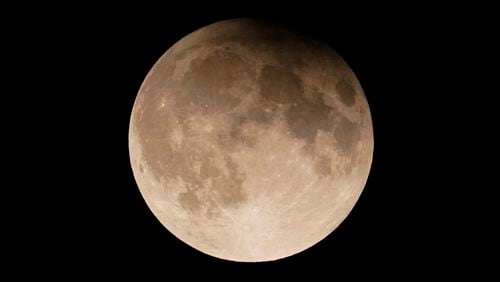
pixel 346 92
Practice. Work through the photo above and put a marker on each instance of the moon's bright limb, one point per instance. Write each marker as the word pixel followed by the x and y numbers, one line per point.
pixel 250 143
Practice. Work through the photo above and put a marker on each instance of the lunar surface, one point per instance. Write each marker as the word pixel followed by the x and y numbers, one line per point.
pixel 249 142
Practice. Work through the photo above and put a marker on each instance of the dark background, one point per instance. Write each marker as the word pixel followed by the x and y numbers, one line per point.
pixel 80 70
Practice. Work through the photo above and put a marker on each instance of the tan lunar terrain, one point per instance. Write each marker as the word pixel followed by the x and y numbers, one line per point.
pixel 249 142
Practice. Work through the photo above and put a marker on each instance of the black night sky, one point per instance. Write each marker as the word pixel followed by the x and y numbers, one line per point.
pixel 88 216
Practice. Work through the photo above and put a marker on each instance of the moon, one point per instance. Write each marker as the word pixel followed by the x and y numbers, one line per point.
pixel 250 142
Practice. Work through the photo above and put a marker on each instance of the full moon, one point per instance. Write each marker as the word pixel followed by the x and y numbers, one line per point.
pixel 250 142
